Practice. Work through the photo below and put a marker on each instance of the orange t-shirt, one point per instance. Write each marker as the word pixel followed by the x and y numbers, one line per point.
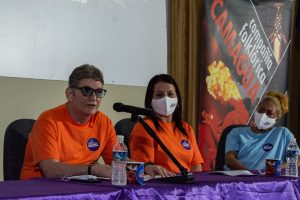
pixel 144 148
pixel 56 135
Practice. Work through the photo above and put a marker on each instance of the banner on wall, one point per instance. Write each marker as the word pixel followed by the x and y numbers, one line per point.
pixel 244 54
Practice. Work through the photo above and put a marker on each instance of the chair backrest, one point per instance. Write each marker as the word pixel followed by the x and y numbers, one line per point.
pixel 124 127
pixel 15 140
pixel 220 157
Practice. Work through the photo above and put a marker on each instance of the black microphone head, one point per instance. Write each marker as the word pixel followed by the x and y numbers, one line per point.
pixel 118 107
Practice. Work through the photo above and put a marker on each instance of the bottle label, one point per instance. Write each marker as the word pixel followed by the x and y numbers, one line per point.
pixel 135 172
pixel 292 153
pixel 120 155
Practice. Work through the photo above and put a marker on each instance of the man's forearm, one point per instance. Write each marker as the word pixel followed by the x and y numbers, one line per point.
pixel 54 169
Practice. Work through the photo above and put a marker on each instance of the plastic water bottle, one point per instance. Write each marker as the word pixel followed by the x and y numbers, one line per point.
pixel 120 151
pixel 292 159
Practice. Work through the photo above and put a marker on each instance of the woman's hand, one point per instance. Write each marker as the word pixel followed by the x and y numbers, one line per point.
pixel 153 170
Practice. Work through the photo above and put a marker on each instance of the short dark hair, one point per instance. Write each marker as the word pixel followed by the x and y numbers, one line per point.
pixel 177 118
pixel 85 71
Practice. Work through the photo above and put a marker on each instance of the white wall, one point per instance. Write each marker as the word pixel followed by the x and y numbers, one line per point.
pixel 45 39
pixel 41 41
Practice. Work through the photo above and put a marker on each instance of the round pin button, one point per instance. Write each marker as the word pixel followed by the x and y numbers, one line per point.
pixel 186 144
pixel 93 144
pixel 268 147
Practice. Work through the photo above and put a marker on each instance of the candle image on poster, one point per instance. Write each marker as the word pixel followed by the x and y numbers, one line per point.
pixel 245 54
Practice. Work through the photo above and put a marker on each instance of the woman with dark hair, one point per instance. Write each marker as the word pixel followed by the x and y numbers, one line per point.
pixel 164 98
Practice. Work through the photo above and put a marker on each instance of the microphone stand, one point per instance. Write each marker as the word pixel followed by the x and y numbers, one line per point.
pixel 183 171
pixel 134 117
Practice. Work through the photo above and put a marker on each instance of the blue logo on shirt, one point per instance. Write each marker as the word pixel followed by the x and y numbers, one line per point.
pixel 186 144
pixel 268 147
pixel 93 144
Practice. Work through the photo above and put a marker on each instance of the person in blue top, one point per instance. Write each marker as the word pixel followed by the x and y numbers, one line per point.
pixel 248 147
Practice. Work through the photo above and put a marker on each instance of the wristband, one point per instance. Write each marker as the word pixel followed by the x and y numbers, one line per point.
pixel 90 168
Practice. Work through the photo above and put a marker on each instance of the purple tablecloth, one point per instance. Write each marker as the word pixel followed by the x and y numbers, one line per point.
pixel 205 186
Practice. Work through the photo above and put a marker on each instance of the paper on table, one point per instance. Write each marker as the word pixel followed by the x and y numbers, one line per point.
pixel 90 178
pixel 148 177
pixel 234 173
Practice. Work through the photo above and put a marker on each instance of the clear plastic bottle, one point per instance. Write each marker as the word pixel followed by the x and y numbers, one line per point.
pixel 120 151
pixel 292 159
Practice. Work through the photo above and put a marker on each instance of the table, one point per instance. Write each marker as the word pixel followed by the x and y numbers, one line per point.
pixel 205 186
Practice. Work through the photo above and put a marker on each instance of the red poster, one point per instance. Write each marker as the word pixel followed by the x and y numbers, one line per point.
pixel 245 54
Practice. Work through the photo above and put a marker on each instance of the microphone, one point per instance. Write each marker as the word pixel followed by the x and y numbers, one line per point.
pixel 119 107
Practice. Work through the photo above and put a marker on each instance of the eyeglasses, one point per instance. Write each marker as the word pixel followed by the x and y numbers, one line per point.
pixel 87 91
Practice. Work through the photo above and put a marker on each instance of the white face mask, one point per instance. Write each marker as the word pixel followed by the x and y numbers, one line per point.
pixel 262 121
pixel 165 106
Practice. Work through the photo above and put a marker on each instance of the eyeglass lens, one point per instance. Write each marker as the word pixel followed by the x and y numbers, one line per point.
pixel 87 91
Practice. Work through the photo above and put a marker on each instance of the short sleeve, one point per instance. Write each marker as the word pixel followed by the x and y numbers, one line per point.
pixel 232 141
pixel 197 157
pixel 289 135
pixel 110 142
pixel 44 141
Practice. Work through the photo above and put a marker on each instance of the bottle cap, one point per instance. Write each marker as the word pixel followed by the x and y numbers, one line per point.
pixel 120 138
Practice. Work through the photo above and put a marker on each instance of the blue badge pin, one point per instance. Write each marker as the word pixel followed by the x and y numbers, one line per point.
pixel 93 144
pixel 267 147
pixel 186 144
